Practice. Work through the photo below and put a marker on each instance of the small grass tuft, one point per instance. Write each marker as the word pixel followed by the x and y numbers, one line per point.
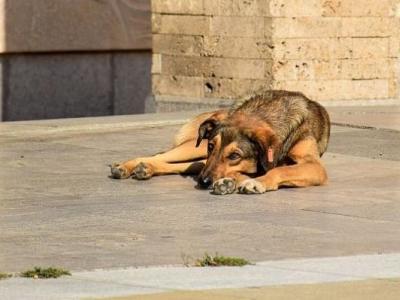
pixel 219 260
pixel 39 272
pixel 4 275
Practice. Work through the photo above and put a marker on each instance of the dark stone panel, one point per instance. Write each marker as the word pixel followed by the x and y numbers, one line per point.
pixel 61 85
pixel 132 75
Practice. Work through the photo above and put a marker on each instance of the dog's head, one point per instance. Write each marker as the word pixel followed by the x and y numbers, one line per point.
pixel 235 146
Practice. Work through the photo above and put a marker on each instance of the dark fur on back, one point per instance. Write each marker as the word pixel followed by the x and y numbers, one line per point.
pixel 291 116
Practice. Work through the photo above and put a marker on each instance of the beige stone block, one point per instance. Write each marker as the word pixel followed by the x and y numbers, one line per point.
pixel 394 47
pixel 233 88
pixel 394 26
pixel 370 47
pixel 210 7
pixel 238 68
pixel 394 68
pixel 276 8
pixel 155 23
pixel 338 89
pixel 328 48
pixel 183 24
pixel 307 70
pixel 343 48
pixel 178 86
pixel 310 27
pixel 357 8
pixel 394 80
pixel 237 26
pixel 295 8
pixel 185 65
pixel 191 7
pixel 75 25
pixel 177 44
pixel 365 68
pixel 396 9
pixel 156 64
pixel 239 47
pixel 365 27
pixel 284 70
pixel 370 89
pixel 394 88
pixel 373 8
pixel 333 90
pixel 331 69
pixel 306 87
pixel 242 7
pixel 337 8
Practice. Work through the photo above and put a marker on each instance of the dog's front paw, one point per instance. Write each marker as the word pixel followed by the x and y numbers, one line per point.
pixel 224 186
pixel 119 171
pixel 143 171
pixel 252 186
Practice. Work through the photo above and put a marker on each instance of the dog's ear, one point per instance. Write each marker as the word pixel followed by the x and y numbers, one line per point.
pixel 267 147
pixel 209 125
pixel 206 129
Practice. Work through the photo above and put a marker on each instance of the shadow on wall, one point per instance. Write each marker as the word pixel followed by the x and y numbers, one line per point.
pixel 51 69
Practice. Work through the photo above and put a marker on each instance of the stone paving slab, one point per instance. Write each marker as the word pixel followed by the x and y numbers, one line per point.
pixel 59 207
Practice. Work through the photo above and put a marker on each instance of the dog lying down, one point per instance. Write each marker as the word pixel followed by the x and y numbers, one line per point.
pixel 273 139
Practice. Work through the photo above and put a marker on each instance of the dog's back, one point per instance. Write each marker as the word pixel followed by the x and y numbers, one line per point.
pixel 291 115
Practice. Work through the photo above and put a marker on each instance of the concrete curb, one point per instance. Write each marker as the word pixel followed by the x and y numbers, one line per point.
pixel 136 281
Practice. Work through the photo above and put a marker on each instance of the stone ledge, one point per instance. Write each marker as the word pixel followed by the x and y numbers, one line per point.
pixel 377 116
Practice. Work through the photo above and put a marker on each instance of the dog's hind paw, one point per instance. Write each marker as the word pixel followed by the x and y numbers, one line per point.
pixel 252 186
pixel 224 186
pixel 119 172
pixel 142 171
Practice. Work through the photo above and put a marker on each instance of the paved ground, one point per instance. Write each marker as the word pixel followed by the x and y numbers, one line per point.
pixel 59 207
pixel 164 282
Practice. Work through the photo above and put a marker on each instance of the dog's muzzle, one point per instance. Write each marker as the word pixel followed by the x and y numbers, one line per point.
pixel 204 183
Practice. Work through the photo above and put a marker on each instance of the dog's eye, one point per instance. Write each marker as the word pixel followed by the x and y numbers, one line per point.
pixel 210 147
pixel 234 156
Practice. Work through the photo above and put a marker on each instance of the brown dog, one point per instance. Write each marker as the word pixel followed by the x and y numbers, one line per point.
pixel 273 139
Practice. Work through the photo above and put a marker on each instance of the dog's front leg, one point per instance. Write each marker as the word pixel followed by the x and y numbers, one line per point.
pixel 307 171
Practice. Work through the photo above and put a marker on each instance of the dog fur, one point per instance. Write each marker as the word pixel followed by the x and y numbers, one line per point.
pixel 272 139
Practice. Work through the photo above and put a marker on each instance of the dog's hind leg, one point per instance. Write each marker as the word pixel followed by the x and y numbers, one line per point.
pixel 307 171
pixel 146 170
pixel 185 148
pixel 183 153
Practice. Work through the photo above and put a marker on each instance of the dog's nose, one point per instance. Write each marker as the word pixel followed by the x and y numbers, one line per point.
pixel 204 182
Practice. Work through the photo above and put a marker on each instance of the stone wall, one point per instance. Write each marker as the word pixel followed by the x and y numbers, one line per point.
pixel 74 58
pixel 224 49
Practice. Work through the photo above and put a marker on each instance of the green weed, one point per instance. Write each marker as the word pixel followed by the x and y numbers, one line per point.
pixel 39 272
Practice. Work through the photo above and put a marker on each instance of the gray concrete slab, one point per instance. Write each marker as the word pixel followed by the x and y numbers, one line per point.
pixel 138 281
pixel 59 207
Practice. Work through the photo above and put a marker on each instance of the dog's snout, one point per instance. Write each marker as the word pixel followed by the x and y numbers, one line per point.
pixel 205 182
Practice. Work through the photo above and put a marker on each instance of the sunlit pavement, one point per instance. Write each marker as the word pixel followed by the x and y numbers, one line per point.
pixel 58 206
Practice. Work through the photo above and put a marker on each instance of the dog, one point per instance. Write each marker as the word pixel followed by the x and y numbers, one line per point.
pixel 270 140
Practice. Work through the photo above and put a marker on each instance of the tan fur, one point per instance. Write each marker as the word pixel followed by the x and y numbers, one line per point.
pixel 190 130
